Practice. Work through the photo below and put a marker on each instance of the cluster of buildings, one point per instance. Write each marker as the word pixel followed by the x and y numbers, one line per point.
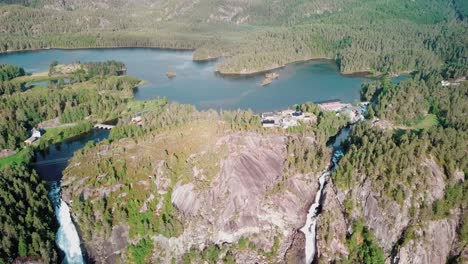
pixel 286 118
pixel 291 118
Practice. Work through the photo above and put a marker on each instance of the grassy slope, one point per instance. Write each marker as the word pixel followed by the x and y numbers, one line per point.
pixel 19 158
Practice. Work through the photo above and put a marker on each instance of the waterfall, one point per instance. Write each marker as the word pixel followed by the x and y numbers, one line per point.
pixel 309 228
pixel 67 238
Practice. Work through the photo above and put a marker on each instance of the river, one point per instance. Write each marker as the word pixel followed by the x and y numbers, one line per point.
pixel 49 164
pixel 197 83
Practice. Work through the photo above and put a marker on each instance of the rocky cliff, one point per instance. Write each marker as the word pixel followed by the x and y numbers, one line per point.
pixel 231 192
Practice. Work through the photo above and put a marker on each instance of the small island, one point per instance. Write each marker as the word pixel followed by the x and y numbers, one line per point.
pixel 171 74
pixel 269 77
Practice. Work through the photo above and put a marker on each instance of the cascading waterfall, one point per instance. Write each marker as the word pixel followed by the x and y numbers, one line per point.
pixel 310 227
pixel 67 237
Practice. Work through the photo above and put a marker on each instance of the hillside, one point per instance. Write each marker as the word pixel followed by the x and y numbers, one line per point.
pixel 362 36
pixel 194 191
pixel 205 186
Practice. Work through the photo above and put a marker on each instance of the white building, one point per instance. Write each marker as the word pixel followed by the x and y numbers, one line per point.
pixel 445 83
pixel 36 133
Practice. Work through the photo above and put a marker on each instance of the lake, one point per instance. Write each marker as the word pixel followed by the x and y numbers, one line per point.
pixel 197 83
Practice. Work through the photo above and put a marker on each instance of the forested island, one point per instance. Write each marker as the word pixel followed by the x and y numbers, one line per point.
pixel 174 184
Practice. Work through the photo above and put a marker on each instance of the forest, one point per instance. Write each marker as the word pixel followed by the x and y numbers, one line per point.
pixel 27 221
pixel 397 158
pixel 103 98
pixel 378 37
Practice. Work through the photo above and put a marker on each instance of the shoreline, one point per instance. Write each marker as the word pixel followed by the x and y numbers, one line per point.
pixel 366 74
pixel 95 48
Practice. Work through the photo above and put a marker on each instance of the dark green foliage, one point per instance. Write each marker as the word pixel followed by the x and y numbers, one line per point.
pixel 53 136
pixel 412 100
pixel 107 68
pixel 22 111
pixel 141 251
pixel 52 66
pixel 328 123
pixel 392 161
pixel 121 83
pixel 9 72
pixel 8 88
pixel 211 254
pixel 124 131
pixel 27 223
pixel 362 246
pixel 304 156
pixel 455 196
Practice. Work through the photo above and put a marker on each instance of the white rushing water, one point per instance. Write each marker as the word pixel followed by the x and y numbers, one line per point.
pixel 309 228
pixel 67 237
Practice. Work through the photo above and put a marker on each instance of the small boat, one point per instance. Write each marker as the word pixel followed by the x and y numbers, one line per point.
pixel 171 74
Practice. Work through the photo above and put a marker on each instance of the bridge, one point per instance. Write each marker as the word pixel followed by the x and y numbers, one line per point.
pixel 103 126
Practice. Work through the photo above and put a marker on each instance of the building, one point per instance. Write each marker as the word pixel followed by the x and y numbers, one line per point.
pixel 35 135
pixel 267 115
pixel 30 140
pixel 298 114
pixel 268 123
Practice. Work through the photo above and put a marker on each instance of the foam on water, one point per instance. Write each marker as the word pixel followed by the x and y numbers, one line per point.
pixel 67 238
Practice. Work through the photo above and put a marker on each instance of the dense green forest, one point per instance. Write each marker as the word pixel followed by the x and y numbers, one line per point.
pixel 7 73
pixel 101 95
pixel 27 222
pixel 366 36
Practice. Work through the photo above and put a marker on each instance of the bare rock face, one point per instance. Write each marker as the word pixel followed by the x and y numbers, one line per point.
pixel 332 228
pixel 296 252
pixel 108 251
pixel 433 242
pixel 242 200
pixel 386 218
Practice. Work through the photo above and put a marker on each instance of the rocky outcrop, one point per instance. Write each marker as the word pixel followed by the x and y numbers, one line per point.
pixel 433 242
pixel 430 241
pixel 108 251
pixel 332 228
pixel 244 199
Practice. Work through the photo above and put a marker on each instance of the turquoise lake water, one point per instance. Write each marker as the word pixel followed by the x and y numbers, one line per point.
pixel 198 84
